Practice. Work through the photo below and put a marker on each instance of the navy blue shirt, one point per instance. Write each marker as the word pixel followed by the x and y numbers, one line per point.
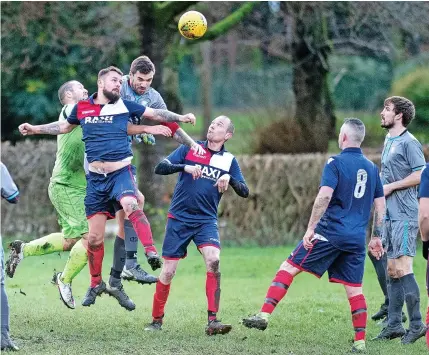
pixel 356 183
pixel 424 183
pixel 104 128
pixel 198 200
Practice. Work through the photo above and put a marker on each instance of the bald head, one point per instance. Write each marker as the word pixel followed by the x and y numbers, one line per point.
pixel 352 133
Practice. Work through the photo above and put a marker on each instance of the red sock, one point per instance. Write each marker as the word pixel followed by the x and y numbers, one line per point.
pixel 213 294
pixel 359 315
pixel 142 227
pixel 159 300
pixel 95 261
pixel 277 291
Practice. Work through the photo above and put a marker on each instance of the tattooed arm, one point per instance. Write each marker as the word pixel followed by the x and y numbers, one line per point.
pixel 160 115
pixel 54 128
pixel 319 208
pixel 375 245
pixel 379 213
pixel 320 205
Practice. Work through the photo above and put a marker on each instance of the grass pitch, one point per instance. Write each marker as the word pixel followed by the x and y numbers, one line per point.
pixel 314 318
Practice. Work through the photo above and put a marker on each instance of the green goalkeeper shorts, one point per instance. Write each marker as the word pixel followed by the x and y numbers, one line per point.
pixel 69 204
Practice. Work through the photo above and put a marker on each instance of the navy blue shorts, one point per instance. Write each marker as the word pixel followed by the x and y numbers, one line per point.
pixel 103 193
pixel 343 267
pixel 179 234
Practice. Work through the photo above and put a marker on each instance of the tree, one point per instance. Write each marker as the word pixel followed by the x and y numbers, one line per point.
pixel 157 27
pixel 45 44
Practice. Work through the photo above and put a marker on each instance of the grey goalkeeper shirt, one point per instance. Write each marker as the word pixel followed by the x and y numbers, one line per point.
pixel 402 155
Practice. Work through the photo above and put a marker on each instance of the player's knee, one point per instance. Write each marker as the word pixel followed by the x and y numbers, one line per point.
pixel 69 243
pixel 140 199
pixel 167 276
pixel 129 205
pixel 213 265
pixel 289 268
pixel 95 238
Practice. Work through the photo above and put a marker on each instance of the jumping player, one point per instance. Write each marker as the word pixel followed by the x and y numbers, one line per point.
pixel 104 121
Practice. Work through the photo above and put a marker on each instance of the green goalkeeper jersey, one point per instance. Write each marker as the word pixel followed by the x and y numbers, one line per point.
pixel 69 163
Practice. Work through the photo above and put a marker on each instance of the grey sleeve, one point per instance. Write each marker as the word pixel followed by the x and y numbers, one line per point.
pixel 415 155
pixel 9 190
pixel 159 103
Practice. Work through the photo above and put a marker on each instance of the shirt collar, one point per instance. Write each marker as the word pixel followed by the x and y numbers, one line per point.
pixel 221 151
pixel 352 150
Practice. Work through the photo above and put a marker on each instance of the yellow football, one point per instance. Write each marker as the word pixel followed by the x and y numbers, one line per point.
pixel 192 25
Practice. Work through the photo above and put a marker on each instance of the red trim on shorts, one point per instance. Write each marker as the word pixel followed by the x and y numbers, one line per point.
pixel 208 245
pixel 169 215
pixel 294 254
pixel 127 194
pixel 174 258
pixel 133 178
pixel 309 251
pixel 109 216
pixel 302 269
pixel 344 282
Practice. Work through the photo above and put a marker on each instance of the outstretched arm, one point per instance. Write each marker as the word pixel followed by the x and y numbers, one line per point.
pixel 54 128
pixel 160 115
pixel 133 129
pixel 183 138
pixel 165 167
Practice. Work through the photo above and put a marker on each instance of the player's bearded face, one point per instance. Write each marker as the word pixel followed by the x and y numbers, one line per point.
pixel 112 95
pixel 388 116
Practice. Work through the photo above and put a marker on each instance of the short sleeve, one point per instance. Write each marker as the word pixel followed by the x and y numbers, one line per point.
pixel 415 155
pixel 178 156
pixel 158 103
pixel 9 190
pixel 235 171
pixel 379 192
pixel 424 183
pixel 72 118
pixel 330 174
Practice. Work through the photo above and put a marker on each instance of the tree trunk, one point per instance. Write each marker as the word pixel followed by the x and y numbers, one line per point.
pixel 152 186
pixel 314 106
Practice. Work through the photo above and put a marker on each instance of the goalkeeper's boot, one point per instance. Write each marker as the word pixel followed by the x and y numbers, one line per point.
pixel 121 297
pixel 256 321
pixel 139 275
pixel 92 294
pixel 215 327
pixel 65 290
pixel 15 256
